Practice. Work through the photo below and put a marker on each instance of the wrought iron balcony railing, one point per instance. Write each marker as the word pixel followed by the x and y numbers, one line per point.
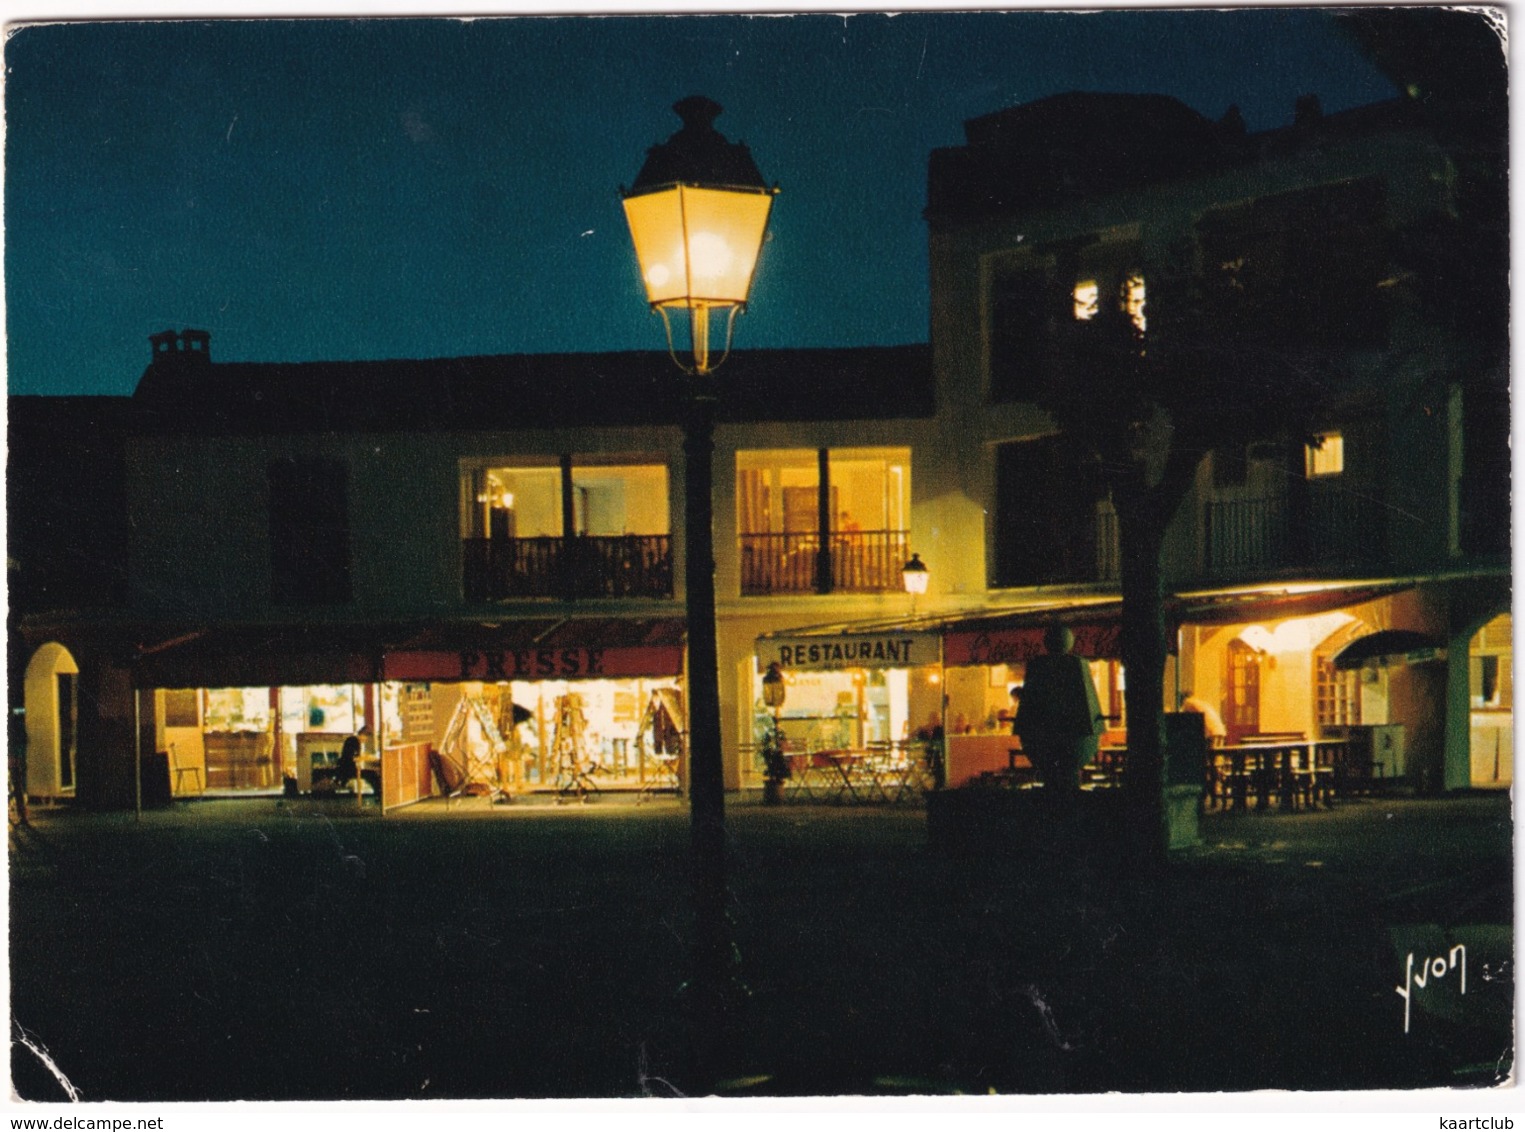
pixel 582 566
pixel 790 563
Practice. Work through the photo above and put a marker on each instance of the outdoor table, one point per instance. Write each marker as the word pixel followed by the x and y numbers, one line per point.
pixel 1291 772
pixel 802 774
pixel 893 767
pixel 1252 766
pixel 846 764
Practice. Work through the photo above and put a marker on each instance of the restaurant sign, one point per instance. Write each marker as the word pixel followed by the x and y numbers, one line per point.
pixel 533 663
pixel 850 650
pixel 989 647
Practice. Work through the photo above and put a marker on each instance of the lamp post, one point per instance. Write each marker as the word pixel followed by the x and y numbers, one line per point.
pixel 698 212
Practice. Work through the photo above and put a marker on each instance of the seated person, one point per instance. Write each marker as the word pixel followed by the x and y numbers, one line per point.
pixel 349 772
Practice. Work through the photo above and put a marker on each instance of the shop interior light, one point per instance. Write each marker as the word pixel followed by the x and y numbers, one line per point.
pixel 698 214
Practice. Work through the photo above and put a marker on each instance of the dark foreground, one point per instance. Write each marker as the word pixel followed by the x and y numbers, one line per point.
pixel 238 950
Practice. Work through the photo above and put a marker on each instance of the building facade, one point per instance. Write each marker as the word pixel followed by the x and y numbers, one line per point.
pixel 483 557
pixel 1381 504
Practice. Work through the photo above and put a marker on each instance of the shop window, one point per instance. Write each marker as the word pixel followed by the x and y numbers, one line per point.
pixel 1324 455
pixel 238 709
pixel 566 530
pixel 309 532
pixel 780 510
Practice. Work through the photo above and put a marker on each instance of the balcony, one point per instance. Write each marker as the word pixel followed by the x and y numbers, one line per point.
pixel 586 566
pixel 1335 530
pixel 789 563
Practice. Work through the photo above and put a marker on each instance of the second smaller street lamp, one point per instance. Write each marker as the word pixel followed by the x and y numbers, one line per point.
pixel 773 688
pixel 698 212
pixel 915 575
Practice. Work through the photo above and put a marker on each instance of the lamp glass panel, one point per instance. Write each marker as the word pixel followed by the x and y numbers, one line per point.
pixel 725 233
pixel 656 229
pixel 915 581
pixel 698 246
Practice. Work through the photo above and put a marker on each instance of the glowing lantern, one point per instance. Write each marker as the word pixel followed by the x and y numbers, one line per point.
pixel 698 213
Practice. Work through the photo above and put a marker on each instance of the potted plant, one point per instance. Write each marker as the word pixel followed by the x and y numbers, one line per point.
pixel 775 767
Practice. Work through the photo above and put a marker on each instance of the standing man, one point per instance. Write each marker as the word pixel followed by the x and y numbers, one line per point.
pixel 1059 719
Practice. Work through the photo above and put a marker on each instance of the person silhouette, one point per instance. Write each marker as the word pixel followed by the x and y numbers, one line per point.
pixel 1059 718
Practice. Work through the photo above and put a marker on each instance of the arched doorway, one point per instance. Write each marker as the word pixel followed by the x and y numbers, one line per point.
pixel 1490 678
pixel 52 722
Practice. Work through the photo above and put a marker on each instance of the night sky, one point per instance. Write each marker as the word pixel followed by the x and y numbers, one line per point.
pixel 424 188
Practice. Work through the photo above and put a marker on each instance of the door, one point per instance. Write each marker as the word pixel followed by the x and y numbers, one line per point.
pixel 1241 698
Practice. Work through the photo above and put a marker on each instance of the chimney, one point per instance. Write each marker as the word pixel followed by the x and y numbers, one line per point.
pixel 1307 111
pixel 181 347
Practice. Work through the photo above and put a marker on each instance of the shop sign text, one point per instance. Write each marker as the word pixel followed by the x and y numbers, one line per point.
pixel 890 650
pixel 534 663
pixel 1018 646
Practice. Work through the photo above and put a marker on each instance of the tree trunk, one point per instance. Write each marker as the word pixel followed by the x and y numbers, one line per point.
pixel 1141 531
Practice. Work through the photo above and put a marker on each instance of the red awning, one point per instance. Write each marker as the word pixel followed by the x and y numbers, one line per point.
pixel 573 648
pixel 560 648
pixel 1017 638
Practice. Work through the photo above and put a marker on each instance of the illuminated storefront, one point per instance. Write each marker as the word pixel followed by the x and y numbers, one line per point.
pixel 1298 663
pixel 563 705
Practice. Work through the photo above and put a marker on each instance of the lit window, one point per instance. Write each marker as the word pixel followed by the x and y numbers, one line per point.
pixel 1326 454
pixel 1086 296
pixel 1133 301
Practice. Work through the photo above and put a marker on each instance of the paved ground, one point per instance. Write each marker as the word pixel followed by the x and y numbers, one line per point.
pixel 270 950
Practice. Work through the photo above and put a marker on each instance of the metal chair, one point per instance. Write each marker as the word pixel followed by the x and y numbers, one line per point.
pixel 182 771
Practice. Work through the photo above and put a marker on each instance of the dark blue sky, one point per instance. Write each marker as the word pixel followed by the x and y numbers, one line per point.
pixel 420 188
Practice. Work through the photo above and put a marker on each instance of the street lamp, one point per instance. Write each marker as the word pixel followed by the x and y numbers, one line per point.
pixel 698 212
pixel 915 575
